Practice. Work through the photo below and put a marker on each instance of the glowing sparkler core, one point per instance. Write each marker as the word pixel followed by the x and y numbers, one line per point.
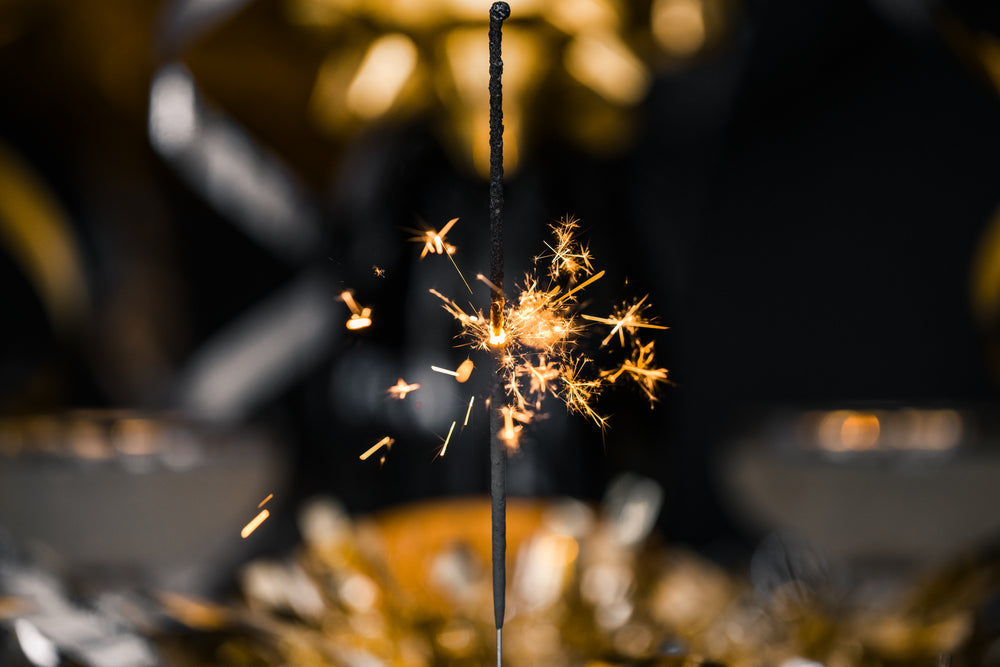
pixel 538 340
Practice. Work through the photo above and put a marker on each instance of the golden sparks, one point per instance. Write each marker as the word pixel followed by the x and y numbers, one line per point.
pixel 568 257
pixel 641 369
pixel 378 271
pixel 401 389
pixel 625 320
pixel 254 524
pixel 542 334
pixel 386 442
pixel 360 317
pixel 434 243
pixel 265 501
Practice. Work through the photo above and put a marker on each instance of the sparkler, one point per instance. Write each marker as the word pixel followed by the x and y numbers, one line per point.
pixel 498 455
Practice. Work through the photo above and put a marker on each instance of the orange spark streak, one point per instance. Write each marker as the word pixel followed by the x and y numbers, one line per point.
pixel 401 389
pixel 254 524
pixel 469 411
pixel 384 442
pixel 264 502
pixel 629 321
pixel 579 287
pixel 446 440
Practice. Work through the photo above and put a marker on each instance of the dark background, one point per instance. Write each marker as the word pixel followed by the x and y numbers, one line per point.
pixel 804 203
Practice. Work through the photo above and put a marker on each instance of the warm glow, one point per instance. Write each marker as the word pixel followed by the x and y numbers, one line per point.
pixel 464 370
pixel 359 321
pixel 265 501
pixel 679 25
pixel 254 524
pixel 497 337
pixel 384 71
pixel 848 431
pixel 603 63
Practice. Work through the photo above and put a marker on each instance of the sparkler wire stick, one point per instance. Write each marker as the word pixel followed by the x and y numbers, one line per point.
pixel 498 455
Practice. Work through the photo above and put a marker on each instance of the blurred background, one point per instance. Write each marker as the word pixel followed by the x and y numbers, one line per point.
pixel 806 191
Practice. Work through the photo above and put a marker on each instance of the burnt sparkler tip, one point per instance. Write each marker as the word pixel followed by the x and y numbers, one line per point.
pixel 500 11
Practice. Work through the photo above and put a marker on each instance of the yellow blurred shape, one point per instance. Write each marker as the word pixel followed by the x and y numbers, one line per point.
pixel 859 432
pixel 600 61
pixel 679 25
pixel 386 67
pixel 574 16
pixel 467 54
pixel 38 236
pixel 848 431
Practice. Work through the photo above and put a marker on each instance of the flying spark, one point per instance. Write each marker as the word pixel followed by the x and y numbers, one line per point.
pixel 265 501
pixel 623 320
pixel 254 524
pixel 468 411
pixel 434 243
pixel 444 447
pixel 401 389
pixel 360 317
pixel 386 442
pixel 461 375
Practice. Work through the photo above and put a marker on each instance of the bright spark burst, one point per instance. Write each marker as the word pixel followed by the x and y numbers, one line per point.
pixel 254 524
pixel 434 243
pixel 625 319
pixel 641 369
pixel 568 257
pixel 360 317
pixel 401 389
pixel 540 344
